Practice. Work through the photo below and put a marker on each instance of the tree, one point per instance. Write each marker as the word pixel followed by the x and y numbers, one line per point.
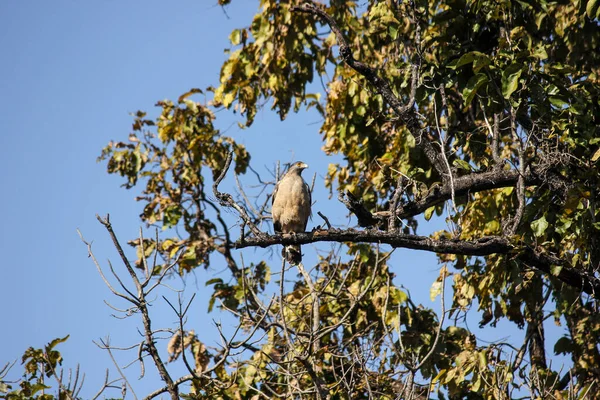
pixel 483 112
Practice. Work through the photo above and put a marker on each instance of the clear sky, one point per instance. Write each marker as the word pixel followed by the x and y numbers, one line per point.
pixel 71 73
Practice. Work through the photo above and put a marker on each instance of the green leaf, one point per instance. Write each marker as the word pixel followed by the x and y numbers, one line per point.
pixel 510 79
pixel 462 164
pixel 393 31
pixel 213 281
pixel 440 375
pixel 53 343
pixel 593 9
pixel 37 387
pixel 429 213
pixel 398 295
pixel 555 270
pixel 539 226
pixel 473 85
pixel 479 60
pixel 482 360
pixel 171 215
pixel 558 101
pixel 596 155
pixel 540 53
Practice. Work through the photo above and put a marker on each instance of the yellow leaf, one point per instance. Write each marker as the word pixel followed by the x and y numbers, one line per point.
pixel 228 99
pixel 435 290
pixel 596 155
pixel 440 375
pixel 354 288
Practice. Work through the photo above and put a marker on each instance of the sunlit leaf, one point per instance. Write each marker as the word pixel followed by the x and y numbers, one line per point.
pixel 592 9
pixel 476 82
pixel 510 79
pixel 539 226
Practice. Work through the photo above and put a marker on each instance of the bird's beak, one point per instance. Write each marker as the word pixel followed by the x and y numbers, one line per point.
pixel 304 165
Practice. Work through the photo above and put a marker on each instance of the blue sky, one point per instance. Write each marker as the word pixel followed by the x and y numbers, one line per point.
pixel 72 71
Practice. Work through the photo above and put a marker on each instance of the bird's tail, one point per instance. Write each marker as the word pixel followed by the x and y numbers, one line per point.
pixel 292 254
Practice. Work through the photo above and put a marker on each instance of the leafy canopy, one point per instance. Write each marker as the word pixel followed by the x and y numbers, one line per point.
pixel 483 112
pixel 496 87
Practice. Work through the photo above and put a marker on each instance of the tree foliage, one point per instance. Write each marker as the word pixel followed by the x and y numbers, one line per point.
pixel 482 112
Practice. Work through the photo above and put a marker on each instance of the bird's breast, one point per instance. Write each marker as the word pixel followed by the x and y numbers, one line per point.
pixel 291 202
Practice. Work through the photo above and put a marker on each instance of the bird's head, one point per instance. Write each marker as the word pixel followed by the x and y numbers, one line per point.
pixel 298 167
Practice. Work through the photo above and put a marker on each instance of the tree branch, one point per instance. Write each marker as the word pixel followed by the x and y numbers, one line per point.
pixel 471 183
pixel 142 304
pixel 480 247
pixel 365 218
pixel 406 113
pixel 226 200
pixel 466 184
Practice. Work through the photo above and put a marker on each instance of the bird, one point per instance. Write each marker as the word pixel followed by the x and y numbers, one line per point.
pixel 291 208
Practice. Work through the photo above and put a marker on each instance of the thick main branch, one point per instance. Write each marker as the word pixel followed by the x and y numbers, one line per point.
pixel 471 183
pixel 480 247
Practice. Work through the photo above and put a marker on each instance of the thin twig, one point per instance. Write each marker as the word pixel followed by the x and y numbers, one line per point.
pixel 438 331
pixel 393 223
pixel 316 319
pixel 325 219
pixel 143 307
pixel 225 199
pixel 106 346
pixel 521 182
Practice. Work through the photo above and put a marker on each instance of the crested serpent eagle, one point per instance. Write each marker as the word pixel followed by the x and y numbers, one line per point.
pixel 291 208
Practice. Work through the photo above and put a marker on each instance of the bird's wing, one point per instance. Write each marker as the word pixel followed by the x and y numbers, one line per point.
pixel 274 193
pixel 307 189
pixel 274 212
pixel 306 212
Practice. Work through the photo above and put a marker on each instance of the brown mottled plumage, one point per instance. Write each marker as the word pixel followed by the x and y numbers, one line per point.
pixel 291 208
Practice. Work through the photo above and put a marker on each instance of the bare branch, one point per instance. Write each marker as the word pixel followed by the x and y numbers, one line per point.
pixel 105 385
pixel 316 319
pixel 183 379
pixel 325 219
pixel 106 346
pixel 99 268
pixel 226 200
pixel 441 323
pixel 143 307
pixel 364 216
